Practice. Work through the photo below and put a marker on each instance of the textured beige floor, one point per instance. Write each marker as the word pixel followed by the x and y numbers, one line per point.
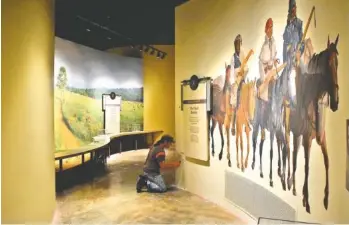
pixel 112 199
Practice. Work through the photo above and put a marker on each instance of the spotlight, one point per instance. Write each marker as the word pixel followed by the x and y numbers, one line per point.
pixel 146 49
pixel 140 48
pixel 163 55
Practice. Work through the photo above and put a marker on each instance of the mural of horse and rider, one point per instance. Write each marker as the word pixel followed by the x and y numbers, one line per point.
pixel 288 97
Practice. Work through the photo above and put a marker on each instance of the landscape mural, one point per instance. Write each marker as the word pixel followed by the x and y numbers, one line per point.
pixel 284 99
pixel 82 75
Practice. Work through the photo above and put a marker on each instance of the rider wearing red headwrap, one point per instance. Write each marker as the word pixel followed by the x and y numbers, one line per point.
pixel 267 57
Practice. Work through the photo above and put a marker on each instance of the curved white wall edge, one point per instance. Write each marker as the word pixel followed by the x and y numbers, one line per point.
pixel 231 207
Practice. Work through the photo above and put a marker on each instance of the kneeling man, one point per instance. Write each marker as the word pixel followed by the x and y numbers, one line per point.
pixel 155 161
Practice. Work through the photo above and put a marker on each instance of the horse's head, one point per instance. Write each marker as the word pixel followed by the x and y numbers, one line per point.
pixel 333 76
pixel 251 85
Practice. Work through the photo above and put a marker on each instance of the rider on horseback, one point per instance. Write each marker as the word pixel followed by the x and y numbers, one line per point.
pixel 292 37
pixel 267 59
pixel 238 75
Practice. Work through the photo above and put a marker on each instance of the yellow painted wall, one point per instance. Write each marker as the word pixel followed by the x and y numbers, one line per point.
pixel 27 170
pixel 205 31
pixel 159 107
pixel 159 77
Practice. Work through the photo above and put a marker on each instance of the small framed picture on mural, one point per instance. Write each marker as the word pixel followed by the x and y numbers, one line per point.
pixel 347 140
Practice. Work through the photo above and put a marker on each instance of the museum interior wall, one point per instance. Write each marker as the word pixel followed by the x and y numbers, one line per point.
pixel 205 33
pixel 82 75
pixel 158 80
pixel 159 92
pixel 27 167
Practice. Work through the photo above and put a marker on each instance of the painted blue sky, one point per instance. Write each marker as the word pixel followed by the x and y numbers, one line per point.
pixel 90 68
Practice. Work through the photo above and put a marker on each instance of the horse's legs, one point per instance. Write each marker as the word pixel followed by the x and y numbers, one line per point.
pixel 239 132
pixel 254 143
pixel 228 143
pixel 296 143
pixel 220 126
pixel 287 112
pixel 261 153
pixel 281 136
pixel 247 130
pixel 326 161
pixel 271 158
pixel 279 158
pixel 307 147
pixel 237 137
pixel 214 123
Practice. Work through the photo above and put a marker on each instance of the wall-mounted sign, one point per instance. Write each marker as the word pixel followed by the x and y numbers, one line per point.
pixel 111 105
pixel 195 105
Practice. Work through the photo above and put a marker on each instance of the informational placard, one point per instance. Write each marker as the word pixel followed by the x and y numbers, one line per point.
pixel 196 104
pixel 347 140
pixel 111 108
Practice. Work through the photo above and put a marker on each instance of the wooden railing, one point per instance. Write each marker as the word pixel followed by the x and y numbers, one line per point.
pixel 112 144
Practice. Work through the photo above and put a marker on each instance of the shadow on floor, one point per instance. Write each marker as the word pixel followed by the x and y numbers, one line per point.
pixel 79 175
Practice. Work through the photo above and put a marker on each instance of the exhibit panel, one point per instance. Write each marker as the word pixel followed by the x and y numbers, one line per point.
pixel 82 76
pixel 111 108
pixel 278 70
pixel 196 96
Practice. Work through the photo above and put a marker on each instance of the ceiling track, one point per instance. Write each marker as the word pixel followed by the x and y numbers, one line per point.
pixel 145 48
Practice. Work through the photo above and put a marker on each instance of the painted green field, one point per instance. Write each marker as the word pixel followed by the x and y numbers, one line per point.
pixel 82 116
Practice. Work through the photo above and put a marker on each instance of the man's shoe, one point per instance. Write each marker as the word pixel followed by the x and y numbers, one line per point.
pixel 141 182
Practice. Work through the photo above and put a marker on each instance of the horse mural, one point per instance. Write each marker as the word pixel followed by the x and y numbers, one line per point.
pixel 306 57
pixel 312 85
pixel 263 120
pixel 233 105
pixel 227 119
pixel 244 118
pixel 219 107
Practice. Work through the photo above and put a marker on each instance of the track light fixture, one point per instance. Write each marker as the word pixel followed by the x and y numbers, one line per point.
pixel 147 49
pixel 163 55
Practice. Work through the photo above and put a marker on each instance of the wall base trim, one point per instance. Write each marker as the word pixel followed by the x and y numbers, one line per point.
pixel 256 199
pixel 230 207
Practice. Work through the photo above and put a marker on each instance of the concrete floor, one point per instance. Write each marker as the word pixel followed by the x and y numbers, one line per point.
pixel 111 198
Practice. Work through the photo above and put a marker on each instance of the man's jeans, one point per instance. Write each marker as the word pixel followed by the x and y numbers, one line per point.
pixel 155 183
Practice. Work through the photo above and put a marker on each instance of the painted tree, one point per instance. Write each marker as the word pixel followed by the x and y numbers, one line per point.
pixel 62 81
